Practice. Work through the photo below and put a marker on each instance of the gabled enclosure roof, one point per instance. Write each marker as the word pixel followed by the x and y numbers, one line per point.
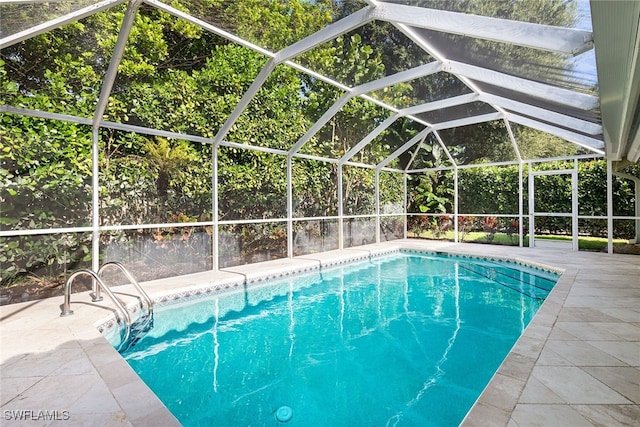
pixel 492 62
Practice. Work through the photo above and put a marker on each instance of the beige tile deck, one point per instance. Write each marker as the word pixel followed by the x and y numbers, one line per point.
pixel 578 362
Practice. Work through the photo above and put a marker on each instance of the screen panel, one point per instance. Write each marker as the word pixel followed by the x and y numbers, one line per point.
pixel 240 244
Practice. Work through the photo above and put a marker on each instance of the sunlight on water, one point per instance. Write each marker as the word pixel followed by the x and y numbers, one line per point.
pixel 406 340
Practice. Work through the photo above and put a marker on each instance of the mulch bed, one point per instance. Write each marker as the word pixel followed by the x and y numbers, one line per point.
pixel 627 249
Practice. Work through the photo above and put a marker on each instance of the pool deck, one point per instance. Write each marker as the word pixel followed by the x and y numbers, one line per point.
pixel 577 363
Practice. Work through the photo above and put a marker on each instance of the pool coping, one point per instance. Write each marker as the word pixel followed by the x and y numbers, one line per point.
pixel 132 403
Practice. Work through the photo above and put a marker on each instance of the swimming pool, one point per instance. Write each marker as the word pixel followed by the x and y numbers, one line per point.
pixel 407 339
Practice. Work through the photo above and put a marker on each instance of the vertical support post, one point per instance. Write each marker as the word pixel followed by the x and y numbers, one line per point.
pixel 95 208
pixel 636 184
pixel 116 58
pixel 520 201
pixel 610 206
pixel 637 211
pixel 405 179
pixel 531 203
pixel 289 206
pixel 103 99
pixel 377 204
pixel 574 206
pixel 456 238
pixel 215 232
pixel 340 210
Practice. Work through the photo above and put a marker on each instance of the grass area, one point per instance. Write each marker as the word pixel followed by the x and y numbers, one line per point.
pixel 585 243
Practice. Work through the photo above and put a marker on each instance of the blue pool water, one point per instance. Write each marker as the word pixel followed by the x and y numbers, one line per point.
pixel 403 340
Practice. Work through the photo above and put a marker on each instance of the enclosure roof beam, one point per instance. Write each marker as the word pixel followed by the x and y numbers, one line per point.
pixel 415 153
pixel 468 121
pixel 429 48
pixel 148 131
pixel 58 22
pixel 207 26
pixel 437 105
pixel 466 73
pixel 251 92
pixel 188 137
pixel 462 99
pixel 328 33
pixel 543 114
pixel 407 145
pixel 539 90
pixel 373 135
pixel 410 32
pixel 537 36
pixel 444 148
pixel 403 76
pixel 582 140
pixel 257 83
pixel 363 166
pixel 315 158
pixel 116 57
pixel 512 138
pixel 423 70
pixel 332 111
pixel 44 115
pixel 155 132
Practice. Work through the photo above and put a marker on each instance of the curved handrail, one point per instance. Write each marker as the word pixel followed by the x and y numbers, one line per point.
pixel 131 279
pixel 66 306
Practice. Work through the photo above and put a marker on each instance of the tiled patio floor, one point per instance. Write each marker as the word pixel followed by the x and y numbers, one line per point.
pixel 577 364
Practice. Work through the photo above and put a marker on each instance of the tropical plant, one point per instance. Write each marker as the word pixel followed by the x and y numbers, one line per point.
pixel 166 161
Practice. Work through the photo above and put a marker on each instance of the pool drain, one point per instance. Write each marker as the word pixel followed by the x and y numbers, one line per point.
pixel 284 414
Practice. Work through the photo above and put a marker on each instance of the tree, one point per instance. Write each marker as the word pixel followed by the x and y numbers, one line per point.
pixel 180 78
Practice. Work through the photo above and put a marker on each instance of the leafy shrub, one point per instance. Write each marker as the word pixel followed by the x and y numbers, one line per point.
pixel 490 226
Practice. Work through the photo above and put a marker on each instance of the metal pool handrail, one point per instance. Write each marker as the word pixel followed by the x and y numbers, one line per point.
pixel 134 282
pixel 66 306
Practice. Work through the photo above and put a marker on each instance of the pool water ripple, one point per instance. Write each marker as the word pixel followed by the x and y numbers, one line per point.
pixel 406 340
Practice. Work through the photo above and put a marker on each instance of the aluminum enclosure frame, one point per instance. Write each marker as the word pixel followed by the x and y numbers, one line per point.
pixel 572 129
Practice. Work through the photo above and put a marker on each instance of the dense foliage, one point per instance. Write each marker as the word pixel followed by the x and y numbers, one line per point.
pixel 494 190
pixel 177 77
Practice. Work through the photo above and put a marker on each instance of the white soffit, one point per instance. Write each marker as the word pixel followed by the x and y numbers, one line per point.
pixel 616 31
